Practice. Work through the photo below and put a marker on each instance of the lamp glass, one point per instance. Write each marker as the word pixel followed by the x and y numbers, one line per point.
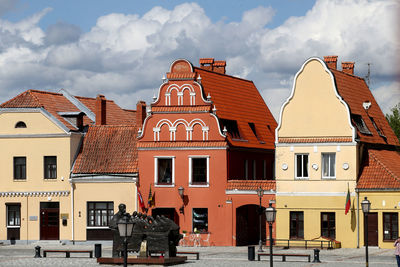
pixel 366 205
pixel 125 227
pixel 180 191
pixel 260 192
pixel 270 213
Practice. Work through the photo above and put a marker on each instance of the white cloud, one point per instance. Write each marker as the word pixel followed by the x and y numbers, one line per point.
pixel 387 96
pixel 124 56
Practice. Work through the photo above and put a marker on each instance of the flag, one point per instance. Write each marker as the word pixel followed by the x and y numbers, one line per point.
pixel 141 202
pixel 150 200
pixel 348 202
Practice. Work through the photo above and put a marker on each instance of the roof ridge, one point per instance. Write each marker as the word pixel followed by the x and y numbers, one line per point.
pixel 351 75
pixel 44 92
pixel 222 74
pixel 384 166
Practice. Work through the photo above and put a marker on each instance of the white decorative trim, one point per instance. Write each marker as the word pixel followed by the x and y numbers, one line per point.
pixel 97 227
pixel 102 179
pixel 335 90
pixel 314 144
pixel 182 148
pixel 7 136
pixel 34 193
pixel 315 194
pixel 248 192
pixel 188 126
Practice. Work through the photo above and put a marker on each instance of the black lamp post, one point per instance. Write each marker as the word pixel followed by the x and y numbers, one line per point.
pixel 125 226
pixel 181 194
pixel 270 214
pixel 366 205
pixel 260 193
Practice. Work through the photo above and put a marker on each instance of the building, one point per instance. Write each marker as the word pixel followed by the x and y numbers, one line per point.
pixel 41 135
pixel 332 139
pixel 206 145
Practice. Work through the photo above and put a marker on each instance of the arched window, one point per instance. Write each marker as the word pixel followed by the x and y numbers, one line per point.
pixel 20 124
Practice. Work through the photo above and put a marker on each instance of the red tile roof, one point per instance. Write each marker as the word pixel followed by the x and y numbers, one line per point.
pixel 251 184
pixel 56 102
pixel 238 99
pixel 315 140
pixel 355 91
pixel 381 170
pixel 108 149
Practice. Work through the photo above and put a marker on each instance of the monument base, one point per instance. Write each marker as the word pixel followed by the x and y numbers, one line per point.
pixel 145 261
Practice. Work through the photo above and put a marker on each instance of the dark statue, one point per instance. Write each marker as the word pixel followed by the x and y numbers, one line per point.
pixel 161 234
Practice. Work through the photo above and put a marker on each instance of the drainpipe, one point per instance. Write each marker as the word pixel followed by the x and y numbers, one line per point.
pixel 72 210
pixel 358 219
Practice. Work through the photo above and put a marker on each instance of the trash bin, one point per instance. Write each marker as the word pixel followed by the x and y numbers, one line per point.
pixel 97 250
pixel 251 253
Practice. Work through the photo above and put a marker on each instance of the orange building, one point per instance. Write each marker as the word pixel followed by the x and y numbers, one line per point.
pixel 206 145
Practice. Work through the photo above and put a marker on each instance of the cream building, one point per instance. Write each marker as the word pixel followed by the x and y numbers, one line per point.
pixel 321 142
pixel 40 136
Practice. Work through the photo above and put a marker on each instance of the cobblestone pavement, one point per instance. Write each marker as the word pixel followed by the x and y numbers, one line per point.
pixel 23 255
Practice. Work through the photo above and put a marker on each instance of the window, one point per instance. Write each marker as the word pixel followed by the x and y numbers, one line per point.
pixel 360 124
pixel 50 167
pixel 164 170
pixel 198 170
pixel 100 213
pixel 20 124
pixel 328 224
pixel 19 168
pixel 328 165
pixel 296 225
pixel 200 220
pixel 13 215
pixel 301 165
pixel 246 169
pixel 390 226
pixel 232 128
pixel 379 130
pixel 254 170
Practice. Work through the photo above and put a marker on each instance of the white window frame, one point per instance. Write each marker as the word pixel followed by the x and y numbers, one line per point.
pixel 156 171
pixel 191 174
pixel 7 207
pixel 323 165
pixel 295 166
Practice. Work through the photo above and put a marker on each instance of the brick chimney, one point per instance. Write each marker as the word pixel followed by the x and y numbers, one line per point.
pixel 101 110
pixel 140 113
pixel 331 62
pixel 348 67
pixel 219 66
pixel 207 63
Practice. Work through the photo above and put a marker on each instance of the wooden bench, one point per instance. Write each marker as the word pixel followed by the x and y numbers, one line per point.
pixel 67 252
pixel 285 255
pixel 190 252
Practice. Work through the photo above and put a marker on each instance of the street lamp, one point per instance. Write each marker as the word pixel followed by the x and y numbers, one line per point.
pixel 181 193
pixel 366 205
pixel 125 226
pixel 270 214
pixel 260 193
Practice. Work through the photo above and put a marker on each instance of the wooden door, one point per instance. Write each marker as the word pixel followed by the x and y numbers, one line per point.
pixel 49 222
pixel 373 229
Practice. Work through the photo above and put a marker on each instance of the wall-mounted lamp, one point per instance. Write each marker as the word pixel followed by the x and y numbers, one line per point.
pixel 181 193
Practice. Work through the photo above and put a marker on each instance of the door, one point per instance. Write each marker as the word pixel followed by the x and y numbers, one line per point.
pixel 49 221
pixel 248 225
pixel 373 229
pixel 170 213
pixel 13 222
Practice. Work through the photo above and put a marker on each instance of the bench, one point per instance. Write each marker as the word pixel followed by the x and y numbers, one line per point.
pixel 67 252
pixel 285 255
pixel 189 252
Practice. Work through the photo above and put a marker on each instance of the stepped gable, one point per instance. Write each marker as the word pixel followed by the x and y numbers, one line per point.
pixel 108 150
pixel 380 170
pixel 239 100
pixel 355 92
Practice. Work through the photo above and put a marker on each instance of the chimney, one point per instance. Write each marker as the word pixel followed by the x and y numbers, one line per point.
pixel 348 67
pixel 207 63
pixel 140 113
pixel 331 61
pixel 101 110
pixel 219 66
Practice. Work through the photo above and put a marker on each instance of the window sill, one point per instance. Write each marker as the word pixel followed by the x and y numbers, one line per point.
pixel 50 179
pixel 14 227
pixel 19 180
pixel 97 227
pixel 302 178
pixel 199 185
pixel 328 178
pixel 164 185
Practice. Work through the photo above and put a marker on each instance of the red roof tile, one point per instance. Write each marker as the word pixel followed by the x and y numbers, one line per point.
pixel 355 91
pixel 381 170
pixel 108 149
pixel 251 184
pixel 206 60
pixel 238 99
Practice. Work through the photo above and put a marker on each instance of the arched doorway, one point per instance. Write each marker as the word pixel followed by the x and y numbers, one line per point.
pixel 248 225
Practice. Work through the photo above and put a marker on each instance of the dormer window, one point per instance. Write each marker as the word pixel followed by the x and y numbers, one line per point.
pixel 20 124
pixel 232 128
pixel 255 132
pixel 360 124
pixel 380 132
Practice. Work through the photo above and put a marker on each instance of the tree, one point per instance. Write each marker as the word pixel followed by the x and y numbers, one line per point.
pixel 394 120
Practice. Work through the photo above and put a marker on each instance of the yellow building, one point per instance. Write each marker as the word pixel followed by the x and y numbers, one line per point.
pixel 40 136
pixel 327 126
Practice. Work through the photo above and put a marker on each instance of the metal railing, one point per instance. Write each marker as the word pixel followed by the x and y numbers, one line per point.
pixel 302 243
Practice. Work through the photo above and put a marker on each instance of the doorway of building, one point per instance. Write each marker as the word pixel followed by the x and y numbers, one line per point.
pixel 248 225
pixel 373 229
pixel 49 221
pixel 170 213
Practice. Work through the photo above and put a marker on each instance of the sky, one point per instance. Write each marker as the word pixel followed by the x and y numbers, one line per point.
pixel 123 48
